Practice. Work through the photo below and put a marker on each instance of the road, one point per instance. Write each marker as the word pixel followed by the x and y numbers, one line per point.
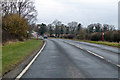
pixel 60 59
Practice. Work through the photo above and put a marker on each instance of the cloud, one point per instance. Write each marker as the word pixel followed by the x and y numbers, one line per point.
pixel 83 11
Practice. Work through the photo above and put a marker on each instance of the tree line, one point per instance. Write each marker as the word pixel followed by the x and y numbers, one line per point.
pixel 75 30
pixel 17 18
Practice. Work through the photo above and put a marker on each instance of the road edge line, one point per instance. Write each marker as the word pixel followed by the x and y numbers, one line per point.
pixel 30 63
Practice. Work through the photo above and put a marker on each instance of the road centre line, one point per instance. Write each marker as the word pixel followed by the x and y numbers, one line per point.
pixel 101 57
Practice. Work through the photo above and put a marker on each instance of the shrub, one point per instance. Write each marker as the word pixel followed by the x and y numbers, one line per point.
pixel 116 36
pixel 69 36
pixel 108 36
pixel 112 36
pixel 15 25
pixel 81 37
pixel 96 36
pixel 88 36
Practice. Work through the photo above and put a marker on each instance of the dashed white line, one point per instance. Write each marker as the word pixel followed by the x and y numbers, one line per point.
pixel 80 47
pixel 118 65
pixel 103 58
pixel 96 54
pixel 26 68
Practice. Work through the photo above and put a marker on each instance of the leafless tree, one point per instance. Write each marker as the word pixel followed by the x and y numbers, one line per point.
pixel 57 23
pixel 24 8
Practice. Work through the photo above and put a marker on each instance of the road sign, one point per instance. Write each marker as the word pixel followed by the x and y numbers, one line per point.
pixel 37 32
pixel 94 27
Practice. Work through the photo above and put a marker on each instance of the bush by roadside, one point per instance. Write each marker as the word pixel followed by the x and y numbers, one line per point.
pixel 14 27
pixel 69 36
pixel 110 36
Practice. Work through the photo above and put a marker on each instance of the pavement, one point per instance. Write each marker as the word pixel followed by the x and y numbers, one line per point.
pixel 60 59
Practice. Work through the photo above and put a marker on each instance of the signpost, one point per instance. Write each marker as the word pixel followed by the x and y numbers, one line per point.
pixel 102 27
pixel 94 28
pixel 103 34
pixel 38 27
pixel 27 34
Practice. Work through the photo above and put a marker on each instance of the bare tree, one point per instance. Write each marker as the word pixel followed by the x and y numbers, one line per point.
pixel 57 23
pixel 24 8
pixel 72 26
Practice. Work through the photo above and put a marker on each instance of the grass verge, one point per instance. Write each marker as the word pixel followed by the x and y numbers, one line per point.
pixel 0 60
pixel 113 44
pixel 15 53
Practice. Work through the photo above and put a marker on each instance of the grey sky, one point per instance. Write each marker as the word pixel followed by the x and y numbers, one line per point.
pixel 82 11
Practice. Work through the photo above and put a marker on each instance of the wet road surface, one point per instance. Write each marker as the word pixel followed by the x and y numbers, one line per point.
pixel 108 52
pixel 62 60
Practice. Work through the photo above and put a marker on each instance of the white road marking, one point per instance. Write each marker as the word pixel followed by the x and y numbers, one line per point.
pixel 26 68
pixel 103 58
pixel 80 47
pixel 96 54
pixel 118 65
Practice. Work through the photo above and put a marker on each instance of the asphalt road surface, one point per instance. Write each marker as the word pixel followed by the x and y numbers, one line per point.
pixel 59 59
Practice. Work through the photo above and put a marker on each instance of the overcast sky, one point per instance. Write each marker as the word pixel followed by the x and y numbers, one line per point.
pixel 82 11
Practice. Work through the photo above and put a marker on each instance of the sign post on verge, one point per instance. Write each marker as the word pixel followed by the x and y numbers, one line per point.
pixel 103 34
pixel 38 27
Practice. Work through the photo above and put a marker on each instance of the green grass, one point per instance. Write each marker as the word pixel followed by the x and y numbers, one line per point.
pixel 105 43
pixel 113 44
pixel 15 53
pixel 0 60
